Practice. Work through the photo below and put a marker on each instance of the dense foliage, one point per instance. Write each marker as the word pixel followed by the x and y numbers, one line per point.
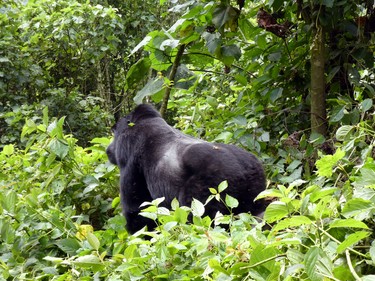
pixel 231 71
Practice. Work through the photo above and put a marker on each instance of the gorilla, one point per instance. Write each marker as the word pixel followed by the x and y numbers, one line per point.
pixel 157 160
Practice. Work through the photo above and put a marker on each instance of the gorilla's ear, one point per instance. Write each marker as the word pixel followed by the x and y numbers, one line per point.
pixel 144 111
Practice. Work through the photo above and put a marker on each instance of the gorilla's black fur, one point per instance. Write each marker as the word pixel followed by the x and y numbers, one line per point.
pixel 156 160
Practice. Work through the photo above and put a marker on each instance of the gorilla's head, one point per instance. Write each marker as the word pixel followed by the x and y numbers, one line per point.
pixel 118 151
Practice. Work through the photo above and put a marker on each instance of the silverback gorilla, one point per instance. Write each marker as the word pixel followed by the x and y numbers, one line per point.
pixel 156 160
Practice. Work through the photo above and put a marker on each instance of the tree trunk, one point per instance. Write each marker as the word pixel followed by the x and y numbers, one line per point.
pixel 318 85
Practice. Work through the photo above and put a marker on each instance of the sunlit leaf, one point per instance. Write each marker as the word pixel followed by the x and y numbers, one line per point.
pixel 326 164
pixel 352 239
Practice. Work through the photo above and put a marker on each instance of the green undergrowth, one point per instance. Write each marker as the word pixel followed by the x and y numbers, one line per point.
pixel 60 219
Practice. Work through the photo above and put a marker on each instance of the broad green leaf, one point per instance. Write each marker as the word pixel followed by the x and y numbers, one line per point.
pixel 337 114
pixel 144 42
pixel 225 15
pixel 291 222
pixel 93 240
pixel 231 202
pixel 241 79
pixel 169 43
pixel 59 148
pixel 213 41
pixel 270 193
pixel 366 105
pixel 332 73
pixel 215 265
pixel 328 3
pixel 224 136
pixel 275 4
pixel 357 206
pixel 151 88
pixel 321 193
pixel 343 132
pixel 212 102
pixel 367 177
pixel 276 94
pixel 351 240
pixel 137 72
pixel 8 149
pixel 175 204
pixel 326 164
pixel 317 264
pixel 103 141
pixel 89 262
pixel 231 51
pixel 275 211
pixel 69 245
pixel 222 186
pixel 352 223
pixel 197 208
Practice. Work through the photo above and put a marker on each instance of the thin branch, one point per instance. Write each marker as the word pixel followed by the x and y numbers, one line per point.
pixel 172 76
pixel 352 270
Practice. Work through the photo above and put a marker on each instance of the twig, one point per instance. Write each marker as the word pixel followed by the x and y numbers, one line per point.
pixel 172 76
pixel 349 261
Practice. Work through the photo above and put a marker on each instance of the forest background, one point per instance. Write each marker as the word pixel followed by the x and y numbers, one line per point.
pixel 291 81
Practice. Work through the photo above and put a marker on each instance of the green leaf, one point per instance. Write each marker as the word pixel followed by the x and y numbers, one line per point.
pixel 352 223
pixel 175 204
pixel 45 116
pixel 343 132
pixel 337 114
pixel 372 252
pixel 213 41
pixel 332 73
pixel 241 79
pixel 275 4
pixel 137 72
pixel 351 240
pixel 270 193
pixel 231 201
pixel 222 186
pixel 151 88
pixel 357 206
pixel 231 51
pixel 366 105
pixel 8 149
pixel 141 44
pixel 224 136
pixel 197 208
pixel 367 177
pixel 328 3
pixel 291 222
pixel 321 193
pixel 89 262
pixel 212 102
pixel 225 16
pixel 69 245
pixel 317 264
pixel 326 163
pixel 169 43
pixel 59 148
pixel 93 240
pixel 276 211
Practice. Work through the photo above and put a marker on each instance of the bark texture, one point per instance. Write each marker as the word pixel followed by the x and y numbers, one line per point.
pixel 318 84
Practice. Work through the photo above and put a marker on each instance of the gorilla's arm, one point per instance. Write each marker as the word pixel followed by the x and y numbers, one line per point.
pixel 133 192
